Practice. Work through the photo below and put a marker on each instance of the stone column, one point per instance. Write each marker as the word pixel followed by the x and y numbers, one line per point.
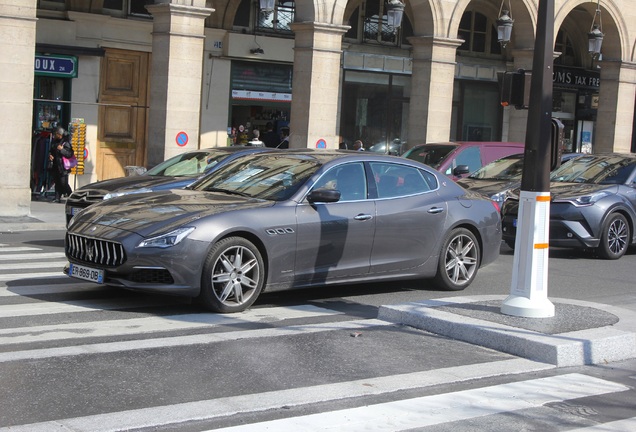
pixel 518 118
pixel 615 116
pixel 17 56
pixel 175 76
pixel 431 101
pixel 316 82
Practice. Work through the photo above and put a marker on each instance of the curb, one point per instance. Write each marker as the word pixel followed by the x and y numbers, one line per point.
pixel 598 345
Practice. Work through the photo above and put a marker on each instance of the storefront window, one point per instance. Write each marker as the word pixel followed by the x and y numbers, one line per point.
pixel 472 119
pixel 375 110
pixel 49 103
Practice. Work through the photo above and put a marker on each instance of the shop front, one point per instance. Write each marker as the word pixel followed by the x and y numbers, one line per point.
pixel 575 102
pixel 261 95
pixel 51 109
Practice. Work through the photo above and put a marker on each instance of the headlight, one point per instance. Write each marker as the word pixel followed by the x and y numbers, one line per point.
pixel 499 198
pixel 126 192
pixel 167 240
pixel 585 200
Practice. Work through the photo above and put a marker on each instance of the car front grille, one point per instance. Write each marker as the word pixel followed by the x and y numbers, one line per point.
pixel 94 251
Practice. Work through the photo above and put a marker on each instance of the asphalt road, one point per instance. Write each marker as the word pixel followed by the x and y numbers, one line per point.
pixel 85 357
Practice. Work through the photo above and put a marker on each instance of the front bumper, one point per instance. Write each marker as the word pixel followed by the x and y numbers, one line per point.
pixel 176 270
pixel 569 226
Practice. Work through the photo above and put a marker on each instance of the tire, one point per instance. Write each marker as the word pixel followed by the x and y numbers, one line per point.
pixel 233 276
pixel 458 261
pixel 615 237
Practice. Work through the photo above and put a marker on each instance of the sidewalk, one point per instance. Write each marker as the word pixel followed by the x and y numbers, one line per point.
pixel 580 332
pixel 45 215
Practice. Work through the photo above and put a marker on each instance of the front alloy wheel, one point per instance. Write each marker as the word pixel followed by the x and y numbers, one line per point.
pixel 233 276
pixel 614 238
pixel 459 260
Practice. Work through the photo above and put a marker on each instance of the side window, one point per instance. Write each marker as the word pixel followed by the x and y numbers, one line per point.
pixel 393 180
pixel 348 179
pixel 470 156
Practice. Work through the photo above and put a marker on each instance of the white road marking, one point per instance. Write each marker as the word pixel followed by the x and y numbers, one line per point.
pixel 31 256
pixel 224 407
pixel 177 341
pixel 33 265
pixel 26 276
pixel 19 249
pixel 443 408
pixel 154 324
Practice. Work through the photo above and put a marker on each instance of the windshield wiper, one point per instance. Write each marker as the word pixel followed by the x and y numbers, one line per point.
pixel 229 192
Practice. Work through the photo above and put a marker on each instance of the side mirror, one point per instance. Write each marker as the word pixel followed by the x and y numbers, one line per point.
pixel 460 170
pixel 323 195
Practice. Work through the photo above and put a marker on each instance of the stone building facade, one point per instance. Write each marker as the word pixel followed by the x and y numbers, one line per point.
pixel 151 79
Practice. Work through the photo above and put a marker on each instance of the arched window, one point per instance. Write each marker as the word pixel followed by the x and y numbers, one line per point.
pixel 566 48
pixel 479 34
pixel 369 24
pixel 279 19
pixel 249 17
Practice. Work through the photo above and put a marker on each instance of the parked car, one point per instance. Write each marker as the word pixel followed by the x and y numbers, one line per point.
pixel 276 221
pixel 176 172
pixel 592 205
pixel 458 159
pixel 395 147
pixel 499 177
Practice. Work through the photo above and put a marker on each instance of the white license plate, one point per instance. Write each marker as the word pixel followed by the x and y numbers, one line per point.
pixel 86 273
pixel 514 223
pixel 75 210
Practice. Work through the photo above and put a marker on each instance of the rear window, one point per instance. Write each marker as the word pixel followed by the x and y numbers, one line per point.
pixel 431 155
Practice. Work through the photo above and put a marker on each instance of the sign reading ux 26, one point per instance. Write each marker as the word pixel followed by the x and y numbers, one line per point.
pixel 56 65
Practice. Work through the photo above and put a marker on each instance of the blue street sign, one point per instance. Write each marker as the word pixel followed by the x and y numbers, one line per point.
pixel 58 66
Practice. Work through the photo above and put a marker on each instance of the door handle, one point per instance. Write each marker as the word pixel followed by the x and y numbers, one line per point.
pixel 362 217
pixel 436 210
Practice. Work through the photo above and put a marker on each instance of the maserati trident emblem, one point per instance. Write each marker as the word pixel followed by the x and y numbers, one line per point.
pixel 90 250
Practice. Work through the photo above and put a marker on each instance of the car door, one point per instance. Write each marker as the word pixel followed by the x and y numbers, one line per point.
pixel 335 239
pixel 410 217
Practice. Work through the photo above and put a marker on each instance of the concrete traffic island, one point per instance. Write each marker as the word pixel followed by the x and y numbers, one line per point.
pixel 580 333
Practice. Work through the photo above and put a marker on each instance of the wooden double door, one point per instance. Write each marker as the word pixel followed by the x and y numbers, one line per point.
pixel 123 112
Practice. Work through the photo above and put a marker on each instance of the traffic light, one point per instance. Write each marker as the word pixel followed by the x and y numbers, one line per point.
pixel 515 89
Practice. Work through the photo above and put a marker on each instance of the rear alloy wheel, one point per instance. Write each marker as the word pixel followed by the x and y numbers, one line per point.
pixel 615 237
pixel 459 260
pixel 233 276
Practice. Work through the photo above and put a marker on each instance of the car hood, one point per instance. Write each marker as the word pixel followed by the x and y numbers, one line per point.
pixel 132 182
pixel 157 212
pixel 487 187
pixel 559 190
pixel 573 190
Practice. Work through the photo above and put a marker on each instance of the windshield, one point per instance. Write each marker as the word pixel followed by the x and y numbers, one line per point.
pixel 508 168
pixel 430 154
pixel 271 177
pixel 188 164
pixel 595 170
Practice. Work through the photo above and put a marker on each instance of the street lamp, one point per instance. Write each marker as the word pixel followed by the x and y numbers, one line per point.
pixel 504 25
pixel 595 36
pixel 267 5
pixel 394 12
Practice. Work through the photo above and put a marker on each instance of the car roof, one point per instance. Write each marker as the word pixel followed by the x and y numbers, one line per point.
pixel 471 143
pixel 233 149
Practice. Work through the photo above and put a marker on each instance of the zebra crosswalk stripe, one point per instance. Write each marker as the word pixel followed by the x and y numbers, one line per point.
pixel 391 416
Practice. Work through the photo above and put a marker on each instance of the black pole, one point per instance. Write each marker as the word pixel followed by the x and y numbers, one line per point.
pixel 536 168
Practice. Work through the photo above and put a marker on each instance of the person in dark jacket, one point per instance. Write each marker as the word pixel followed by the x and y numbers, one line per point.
pixel 270 138
pixel 60 146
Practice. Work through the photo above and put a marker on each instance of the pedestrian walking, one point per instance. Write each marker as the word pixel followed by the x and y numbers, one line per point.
pixel 60 147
